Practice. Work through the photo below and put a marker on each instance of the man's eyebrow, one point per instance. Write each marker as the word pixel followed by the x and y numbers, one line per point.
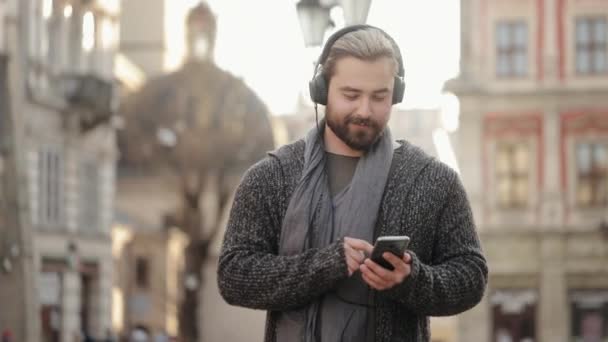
pixel 351 89
pixel 383 90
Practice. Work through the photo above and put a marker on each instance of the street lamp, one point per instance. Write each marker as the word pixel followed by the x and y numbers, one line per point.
pixel 166 137
pixel 603 225
pixel 315 18
pixel 355 11
pixel 191 282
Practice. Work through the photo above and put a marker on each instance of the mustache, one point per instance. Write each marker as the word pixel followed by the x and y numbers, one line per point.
pixel 357 120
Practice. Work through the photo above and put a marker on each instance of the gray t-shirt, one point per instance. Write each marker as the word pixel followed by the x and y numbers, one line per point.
pixel 351 318
pixel 340 171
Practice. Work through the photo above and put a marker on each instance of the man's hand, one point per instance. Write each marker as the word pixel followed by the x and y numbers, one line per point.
pixel 380 278
pixel 355 251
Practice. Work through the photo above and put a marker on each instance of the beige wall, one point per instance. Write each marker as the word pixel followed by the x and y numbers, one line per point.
pixel 143 41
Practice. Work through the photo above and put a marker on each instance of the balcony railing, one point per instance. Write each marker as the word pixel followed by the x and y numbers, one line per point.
pixel 90 94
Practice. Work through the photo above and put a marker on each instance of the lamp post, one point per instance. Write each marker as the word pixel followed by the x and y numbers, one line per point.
pixel 355 11
pixel 603 225
pixel 315 19
pixel 604 228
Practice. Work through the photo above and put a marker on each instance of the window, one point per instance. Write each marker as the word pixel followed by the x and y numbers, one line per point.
pixel 90 204
pixel 69 36
pixel 55 24
pixel 48 42
pixel 142 272
pixel 514 315
pixel 49 23
pixel 511 49
pixel 589 315
pixel 81 37
pixel 512 174
pixel 50 187
pixel 592 174
pixel 591 45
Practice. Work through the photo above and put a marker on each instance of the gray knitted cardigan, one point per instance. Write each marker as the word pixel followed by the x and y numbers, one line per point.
pixel 423 199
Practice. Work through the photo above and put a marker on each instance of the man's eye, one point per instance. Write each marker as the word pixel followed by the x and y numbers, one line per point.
pixel 351 96
pixel 379 97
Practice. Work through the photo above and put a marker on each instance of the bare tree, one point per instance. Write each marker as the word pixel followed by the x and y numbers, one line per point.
pixel 206 127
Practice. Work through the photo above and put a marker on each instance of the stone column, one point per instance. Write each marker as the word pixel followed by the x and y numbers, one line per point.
pixel 469 156
pixel 102 303
pixel 70 307
pixel 550 52
pixel 553 324
pixel 551 198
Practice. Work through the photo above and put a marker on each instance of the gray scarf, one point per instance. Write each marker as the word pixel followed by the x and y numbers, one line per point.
pixel 311 222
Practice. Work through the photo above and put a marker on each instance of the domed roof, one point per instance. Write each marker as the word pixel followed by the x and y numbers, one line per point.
pixel 202 16
pixel 200 22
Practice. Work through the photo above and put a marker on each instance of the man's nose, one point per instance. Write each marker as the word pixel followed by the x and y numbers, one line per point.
pixel 364 109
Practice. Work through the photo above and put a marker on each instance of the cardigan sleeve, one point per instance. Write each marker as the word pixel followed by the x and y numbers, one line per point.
pixel 456 279
pixel 250 273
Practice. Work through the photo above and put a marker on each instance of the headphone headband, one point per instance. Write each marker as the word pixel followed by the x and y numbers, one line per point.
pixel 319 86
pixel 348 29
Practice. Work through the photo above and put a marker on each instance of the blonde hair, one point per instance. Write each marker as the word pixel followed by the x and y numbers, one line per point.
pixel 367 44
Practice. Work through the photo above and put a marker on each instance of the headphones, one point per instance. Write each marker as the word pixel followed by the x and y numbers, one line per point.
pixel 318 86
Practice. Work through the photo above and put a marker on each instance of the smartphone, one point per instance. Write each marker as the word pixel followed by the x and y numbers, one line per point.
pixel 394 244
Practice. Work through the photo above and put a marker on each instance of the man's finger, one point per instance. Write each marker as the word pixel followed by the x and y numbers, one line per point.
pixel 354 254
pixel 378 270
pixel 358 244
pixel 352 266
pixel 367 269
pixel 398 263
pixel 357 255
pixel 371 282
pixel 407 258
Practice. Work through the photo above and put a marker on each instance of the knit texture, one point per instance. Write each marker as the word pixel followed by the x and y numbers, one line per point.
pixel 424 199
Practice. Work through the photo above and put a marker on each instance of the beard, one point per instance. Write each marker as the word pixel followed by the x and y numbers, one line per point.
pixel 357 138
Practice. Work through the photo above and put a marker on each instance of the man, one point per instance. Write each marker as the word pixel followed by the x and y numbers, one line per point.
pixel 304 218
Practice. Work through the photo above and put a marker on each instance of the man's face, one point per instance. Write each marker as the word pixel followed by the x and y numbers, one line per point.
pixel 360 100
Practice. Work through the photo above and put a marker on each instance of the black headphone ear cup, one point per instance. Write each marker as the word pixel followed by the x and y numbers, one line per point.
pixel 398 90
pixel 318 89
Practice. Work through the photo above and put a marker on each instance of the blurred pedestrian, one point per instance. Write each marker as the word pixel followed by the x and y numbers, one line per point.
pixel 110 336
pixel 86 337
pixel 7 336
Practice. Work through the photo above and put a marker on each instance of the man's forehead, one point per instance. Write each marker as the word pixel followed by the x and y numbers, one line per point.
pixel 356 74
pixel 382 62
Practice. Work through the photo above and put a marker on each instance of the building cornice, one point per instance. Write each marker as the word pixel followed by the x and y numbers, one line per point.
pixel 469 89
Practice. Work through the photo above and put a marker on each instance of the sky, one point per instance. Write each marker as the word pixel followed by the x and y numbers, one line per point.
pixel 261 42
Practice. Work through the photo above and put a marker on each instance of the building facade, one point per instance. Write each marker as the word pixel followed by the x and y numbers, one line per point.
pixel 16 279
pixel 62 91
pixel 148 269
pixel 533 151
